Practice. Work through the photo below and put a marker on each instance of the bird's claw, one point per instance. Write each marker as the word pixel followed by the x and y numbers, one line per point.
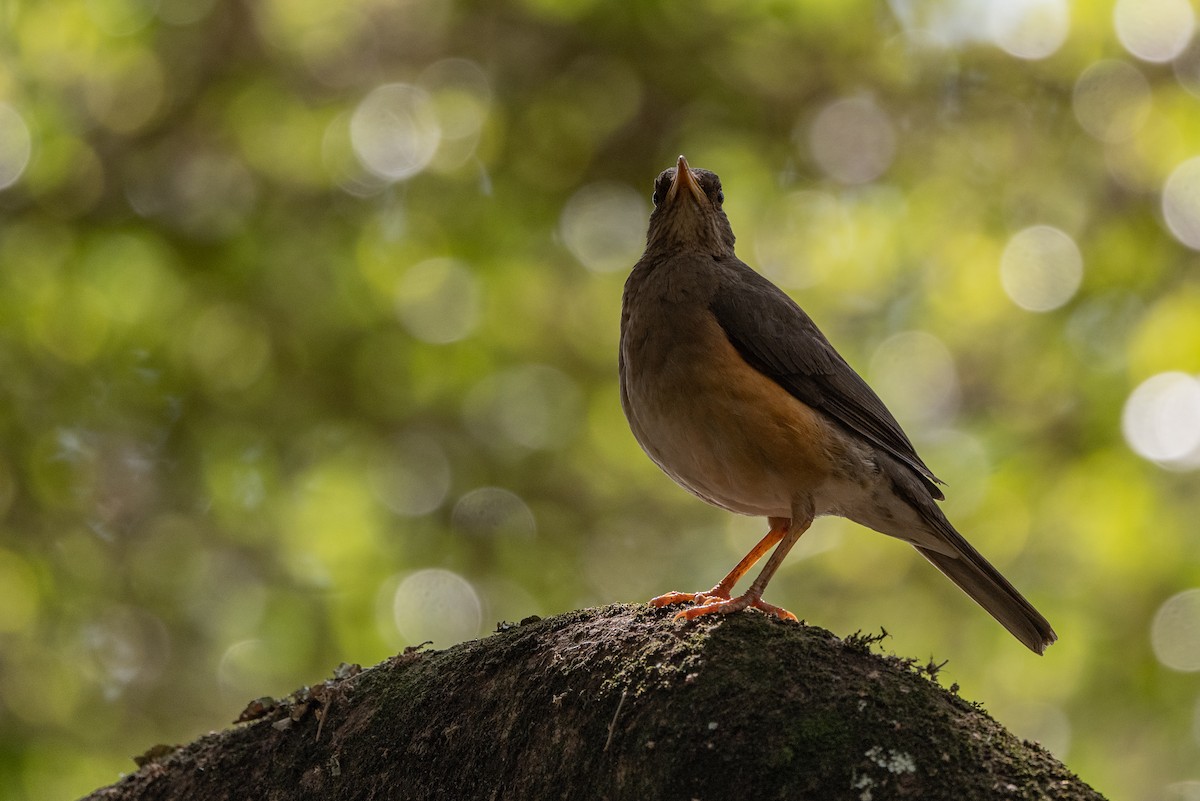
pixel 716 601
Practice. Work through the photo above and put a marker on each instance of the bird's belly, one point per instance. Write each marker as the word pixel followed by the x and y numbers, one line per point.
pixel 726 471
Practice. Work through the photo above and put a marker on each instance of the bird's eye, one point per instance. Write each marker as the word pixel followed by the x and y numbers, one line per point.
pixel 720 197
pixel 660 191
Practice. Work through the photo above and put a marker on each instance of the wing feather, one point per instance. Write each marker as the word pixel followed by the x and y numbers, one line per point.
pixel 776 337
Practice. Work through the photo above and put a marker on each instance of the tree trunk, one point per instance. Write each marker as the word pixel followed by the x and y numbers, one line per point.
pixel 617 703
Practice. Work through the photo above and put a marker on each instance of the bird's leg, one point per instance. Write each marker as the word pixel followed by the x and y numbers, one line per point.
pixel 779 527
pixel 753 596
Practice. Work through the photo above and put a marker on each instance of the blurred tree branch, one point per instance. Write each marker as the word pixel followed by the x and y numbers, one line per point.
pixel 619 702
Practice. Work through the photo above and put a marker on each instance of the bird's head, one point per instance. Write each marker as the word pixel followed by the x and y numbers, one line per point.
pixel 687 212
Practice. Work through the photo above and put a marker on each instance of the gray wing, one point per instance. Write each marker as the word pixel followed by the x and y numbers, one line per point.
pixel 776 337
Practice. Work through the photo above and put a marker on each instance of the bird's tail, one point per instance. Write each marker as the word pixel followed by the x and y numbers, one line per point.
pixel 977 578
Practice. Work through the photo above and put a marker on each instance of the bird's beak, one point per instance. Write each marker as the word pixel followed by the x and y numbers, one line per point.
pixel 684 180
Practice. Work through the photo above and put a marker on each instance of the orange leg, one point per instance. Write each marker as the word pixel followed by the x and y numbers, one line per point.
pixel 718 598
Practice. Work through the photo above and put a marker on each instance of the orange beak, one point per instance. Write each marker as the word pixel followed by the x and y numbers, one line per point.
pixel 685 180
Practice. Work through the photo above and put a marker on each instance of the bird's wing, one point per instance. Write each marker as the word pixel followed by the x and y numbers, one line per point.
pixel 776 337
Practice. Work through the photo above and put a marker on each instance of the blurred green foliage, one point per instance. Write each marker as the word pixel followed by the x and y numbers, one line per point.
pixel 308 319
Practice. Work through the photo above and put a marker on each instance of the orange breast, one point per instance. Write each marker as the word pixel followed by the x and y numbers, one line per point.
pixel 722 429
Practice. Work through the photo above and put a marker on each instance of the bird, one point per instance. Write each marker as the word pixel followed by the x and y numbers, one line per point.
pixel 733 391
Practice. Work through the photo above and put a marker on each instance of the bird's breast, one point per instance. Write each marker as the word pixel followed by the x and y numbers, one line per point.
pixel 717 426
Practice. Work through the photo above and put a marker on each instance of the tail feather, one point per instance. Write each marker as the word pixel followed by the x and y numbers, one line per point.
pixel 977 578
pixel 964 565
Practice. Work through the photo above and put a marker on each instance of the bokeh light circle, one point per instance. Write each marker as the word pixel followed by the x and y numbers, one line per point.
pixel 1161 420
pixel 1154 30
pixel 915 372
pixel 438 300
pixel 604 226
pixel 1030 29
pixel 412 477
pixel 395 131
pixel 490 512
pixel 461 95
pixel 15 145
pixel 1041 268
pixel 853 140
pixel 1181 202
pixel 1175 632
pixel 1111 100
pixel 436 605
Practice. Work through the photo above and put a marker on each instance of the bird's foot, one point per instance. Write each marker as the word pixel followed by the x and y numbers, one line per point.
pixel 717 593
pixel 717 601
